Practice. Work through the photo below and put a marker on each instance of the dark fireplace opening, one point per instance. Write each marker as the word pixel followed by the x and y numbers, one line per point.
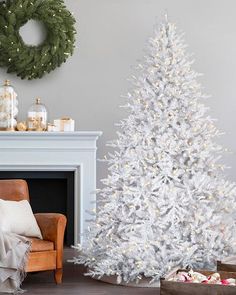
pixel 50 192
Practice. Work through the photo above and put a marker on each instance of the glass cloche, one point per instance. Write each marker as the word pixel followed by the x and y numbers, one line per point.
pixel 8 107
pixel 37 116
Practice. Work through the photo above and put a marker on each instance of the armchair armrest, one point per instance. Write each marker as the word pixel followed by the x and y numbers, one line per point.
pixel 52 226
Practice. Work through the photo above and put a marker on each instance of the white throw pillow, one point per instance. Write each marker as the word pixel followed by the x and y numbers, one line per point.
pixel 17 217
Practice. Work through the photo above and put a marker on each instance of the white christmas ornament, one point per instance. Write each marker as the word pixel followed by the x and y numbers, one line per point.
pixel 165 202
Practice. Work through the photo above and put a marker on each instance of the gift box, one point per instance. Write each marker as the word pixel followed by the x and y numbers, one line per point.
pixel 168 287
pixel 64 124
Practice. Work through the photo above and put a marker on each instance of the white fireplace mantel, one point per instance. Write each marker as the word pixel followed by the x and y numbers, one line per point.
pixel 56 151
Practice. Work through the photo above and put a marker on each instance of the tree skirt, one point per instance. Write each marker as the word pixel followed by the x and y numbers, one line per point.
pixel 144 283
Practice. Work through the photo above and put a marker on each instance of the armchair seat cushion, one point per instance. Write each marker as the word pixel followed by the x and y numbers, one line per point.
pixel 41 245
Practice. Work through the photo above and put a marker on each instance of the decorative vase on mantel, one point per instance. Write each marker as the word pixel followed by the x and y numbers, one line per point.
pixel 37 116
pixel 8 107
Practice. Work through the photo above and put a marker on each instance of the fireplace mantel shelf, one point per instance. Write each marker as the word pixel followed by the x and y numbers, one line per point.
pixel 43 141
pixel 56 151
pixel 50 135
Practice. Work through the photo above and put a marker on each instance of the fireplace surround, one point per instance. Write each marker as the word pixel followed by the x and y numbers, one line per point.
pixel 39 155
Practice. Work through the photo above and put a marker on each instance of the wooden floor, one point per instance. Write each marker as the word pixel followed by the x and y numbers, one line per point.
pixel 75 282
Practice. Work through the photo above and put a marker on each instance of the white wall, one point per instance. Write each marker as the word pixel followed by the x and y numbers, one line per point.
pixel 111 37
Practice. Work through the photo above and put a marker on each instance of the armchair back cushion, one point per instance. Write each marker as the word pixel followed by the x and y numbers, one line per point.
pixel 14 190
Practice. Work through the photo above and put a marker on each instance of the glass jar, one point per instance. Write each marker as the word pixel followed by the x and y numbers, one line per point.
pixel 37 117
pixel 8 107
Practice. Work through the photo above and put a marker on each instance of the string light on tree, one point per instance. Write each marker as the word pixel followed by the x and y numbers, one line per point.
pixel 173 211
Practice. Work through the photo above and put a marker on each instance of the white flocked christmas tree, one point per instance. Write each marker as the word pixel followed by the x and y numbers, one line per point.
pixel 165 202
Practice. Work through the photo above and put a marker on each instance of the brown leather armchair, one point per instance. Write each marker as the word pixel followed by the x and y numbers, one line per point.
pixel 46 254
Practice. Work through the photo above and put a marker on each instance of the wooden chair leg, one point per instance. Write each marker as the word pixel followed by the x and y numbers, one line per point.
pixel 58 275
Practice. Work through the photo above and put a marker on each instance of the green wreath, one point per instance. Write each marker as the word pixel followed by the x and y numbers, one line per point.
pixel 32 62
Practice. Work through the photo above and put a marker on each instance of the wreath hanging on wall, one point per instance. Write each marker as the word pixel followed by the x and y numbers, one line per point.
pixel 32 62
